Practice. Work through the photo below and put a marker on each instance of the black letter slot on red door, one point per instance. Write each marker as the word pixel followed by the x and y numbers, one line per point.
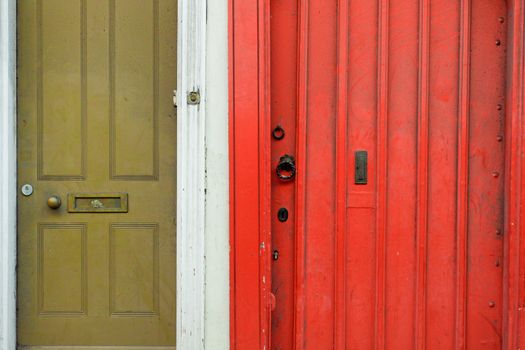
pixel 361 165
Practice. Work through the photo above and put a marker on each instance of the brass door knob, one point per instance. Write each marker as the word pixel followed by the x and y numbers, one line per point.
pixel 54 202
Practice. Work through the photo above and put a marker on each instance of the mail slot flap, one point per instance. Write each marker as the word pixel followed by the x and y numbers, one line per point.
pixel 97 203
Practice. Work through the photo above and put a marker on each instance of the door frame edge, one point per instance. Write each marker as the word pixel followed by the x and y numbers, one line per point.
pixel 8 174
pixel 191 173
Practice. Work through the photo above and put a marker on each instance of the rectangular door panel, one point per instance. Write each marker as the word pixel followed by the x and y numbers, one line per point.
pixel 61 89
pixel 134 89
pixel 134 283
pixel 62 269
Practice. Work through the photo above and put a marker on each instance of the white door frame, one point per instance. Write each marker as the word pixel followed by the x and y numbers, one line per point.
pixel 193 310
pixel 7 174
pixel 191 177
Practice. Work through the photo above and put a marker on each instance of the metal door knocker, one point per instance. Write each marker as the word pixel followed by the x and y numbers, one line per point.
pixel 286 167
pixel 278 133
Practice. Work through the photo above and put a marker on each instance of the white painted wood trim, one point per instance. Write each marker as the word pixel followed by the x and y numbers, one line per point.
pixel 217 307
pixel 7 174
pixel 191 178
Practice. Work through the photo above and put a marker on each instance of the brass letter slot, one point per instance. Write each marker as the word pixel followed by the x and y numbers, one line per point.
pixel 97 202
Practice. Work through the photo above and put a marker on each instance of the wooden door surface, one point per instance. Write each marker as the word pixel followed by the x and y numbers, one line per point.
pixel 394 112
pixel 96 173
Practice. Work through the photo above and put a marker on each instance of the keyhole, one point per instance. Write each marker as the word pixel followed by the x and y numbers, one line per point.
pixel 282 214
pixel 275 255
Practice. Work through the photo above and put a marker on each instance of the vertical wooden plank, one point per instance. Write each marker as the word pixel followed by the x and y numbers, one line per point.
pixel 422 173
pixel 341 175
pixel 264 118
pixel 488 44
pixel 284 43
pixel 249 155
pixel 514 273
pixel 442 166
pixel 320 174
pixel 463 166
pixel 246 176
pixel 402 170
pixel 361 213
pixel 300 185
pixel 382 159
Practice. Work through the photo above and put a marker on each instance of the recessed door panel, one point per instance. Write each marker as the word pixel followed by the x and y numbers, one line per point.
pixel 60 87
pixel 96 143
pixel 134 84
pixel 61 269
pixel 129 294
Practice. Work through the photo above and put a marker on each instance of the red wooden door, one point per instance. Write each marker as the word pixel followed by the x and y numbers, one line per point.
pixel 412 257
pixel 430 251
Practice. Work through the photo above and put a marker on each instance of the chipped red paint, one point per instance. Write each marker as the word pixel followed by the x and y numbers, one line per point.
pixel 430 253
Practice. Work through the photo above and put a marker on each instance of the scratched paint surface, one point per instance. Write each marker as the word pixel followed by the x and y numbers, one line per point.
pixel 413 258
